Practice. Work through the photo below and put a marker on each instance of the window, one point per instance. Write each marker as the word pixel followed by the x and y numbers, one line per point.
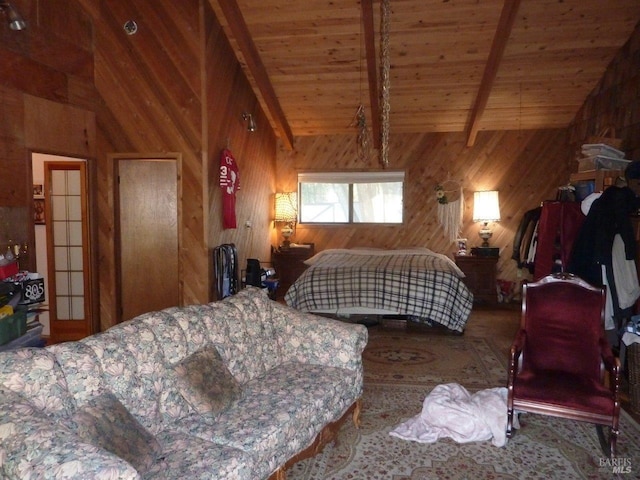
pixel 351 197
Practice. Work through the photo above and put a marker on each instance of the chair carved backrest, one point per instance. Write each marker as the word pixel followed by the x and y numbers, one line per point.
pixel 563 317
pixel 559 357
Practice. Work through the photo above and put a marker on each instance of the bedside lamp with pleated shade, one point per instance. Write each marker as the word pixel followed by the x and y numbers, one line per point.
pixel 486 208
pixel 286 211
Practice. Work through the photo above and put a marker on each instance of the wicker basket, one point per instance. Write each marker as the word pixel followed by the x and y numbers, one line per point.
pixel 633 366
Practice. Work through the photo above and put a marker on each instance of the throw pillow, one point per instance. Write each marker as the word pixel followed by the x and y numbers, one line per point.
pixel 106 423
pixel 205 382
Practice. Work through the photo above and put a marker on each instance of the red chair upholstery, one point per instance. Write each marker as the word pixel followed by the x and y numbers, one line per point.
pixel 559 357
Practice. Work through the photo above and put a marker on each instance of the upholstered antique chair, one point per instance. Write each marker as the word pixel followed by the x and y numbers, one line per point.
pixel 560 355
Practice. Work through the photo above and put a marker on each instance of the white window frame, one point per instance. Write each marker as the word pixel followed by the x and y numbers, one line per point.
pixel 350 178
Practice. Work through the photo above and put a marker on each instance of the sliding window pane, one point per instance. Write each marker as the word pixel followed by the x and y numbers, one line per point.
pixel 324 202
pixel 377 202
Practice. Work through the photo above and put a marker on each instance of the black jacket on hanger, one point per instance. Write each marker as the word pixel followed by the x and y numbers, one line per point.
pixel 608 216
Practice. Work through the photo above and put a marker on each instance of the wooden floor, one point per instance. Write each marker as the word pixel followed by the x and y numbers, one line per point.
pixel 499 323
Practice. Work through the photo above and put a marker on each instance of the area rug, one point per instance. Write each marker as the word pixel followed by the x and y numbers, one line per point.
pixel 401 370
pixel 428 360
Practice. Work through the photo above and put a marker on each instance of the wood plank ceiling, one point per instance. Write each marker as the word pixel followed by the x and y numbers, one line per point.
pixel 456 65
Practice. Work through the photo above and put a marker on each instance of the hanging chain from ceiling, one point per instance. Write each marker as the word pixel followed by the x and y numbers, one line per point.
pixel 363 137
pixel 385 82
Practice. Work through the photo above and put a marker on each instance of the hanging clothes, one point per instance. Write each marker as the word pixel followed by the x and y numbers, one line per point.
pixel 608 216
pixel 525 240
pixel 605 251
pixel 230 183
pixel 558 228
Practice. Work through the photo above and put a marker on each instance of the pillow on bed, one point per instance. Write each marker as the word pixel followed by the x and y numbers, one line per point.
pixel 356 251
pixel 381 251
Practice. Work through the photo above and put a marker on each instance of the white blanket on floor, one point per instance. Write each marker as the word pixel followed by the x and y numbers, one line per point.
pixel 451 411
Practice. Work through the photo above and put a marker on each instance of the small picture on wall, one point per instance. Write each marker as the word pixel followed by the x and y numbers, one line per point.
pixel 38 211
pixel 38 191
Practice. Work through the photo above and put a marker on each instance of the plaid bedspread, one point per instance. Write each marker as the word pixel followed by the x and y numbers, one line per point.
pixel 420 284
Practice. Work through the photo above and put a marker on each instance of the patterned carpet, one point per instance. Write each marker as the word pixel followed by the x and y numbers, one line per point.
pixel 400 370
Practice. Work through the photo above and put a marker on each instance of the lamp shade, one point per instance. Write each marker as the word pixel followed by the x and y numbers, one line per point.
pixel 486 207
pixel 286 207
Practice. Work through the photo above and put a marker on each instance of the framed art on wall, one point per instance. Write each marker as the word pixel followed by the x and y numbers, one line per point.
pixel 38 211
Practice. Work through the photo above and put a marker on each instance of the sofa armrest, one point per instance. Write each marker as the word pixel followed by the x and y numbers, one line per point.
pixel 33 445
pixel 313 339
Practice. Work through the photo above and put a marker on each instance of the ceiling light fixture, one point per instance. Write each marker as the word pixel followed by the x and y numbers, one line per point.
pixel 130 27
pixel 16 22
pixel 251 125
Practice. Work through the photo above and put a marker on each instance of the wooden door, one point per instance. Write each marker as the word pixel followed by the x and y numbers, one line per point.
pixel 147 220
pixel 68 250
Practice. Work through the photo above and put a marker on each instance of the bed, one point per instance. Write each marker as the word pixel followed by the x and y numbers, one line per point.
pixel 418 284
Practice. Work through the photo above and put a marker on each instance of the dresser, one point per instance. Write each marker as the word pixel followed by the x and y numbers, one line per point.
pixel 480 277
pixel 289 264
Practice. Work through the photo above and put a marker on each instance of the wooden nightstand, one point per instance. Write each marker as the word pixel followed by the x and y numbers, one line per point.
pixel 289 265
pixel 480 277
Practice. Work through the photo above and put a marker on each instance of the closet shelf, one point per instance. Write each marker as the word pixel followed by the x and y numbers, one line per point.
pixel 602 178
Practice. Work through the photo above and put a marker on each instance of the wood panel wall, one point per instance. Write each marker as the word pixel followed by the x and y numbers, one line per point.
pixel 614 102
pixel 46 94
pixel 174 86
pixel 255 152
pixel 525 167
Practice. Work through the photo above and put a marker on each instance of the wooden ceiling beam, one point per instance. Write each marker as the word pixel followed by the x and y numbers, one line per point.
pixel 503 31
pixel 372 71
pixel 241 33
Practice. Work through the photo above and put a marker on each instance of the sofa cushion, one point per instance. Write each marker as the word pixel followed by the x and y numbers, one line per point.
pixel 35 374
pixel 81 369
pixel 132 362
pixel 34 445
pixel 205 382
pixel 169 334
pixel 328 391
pixel 106 423
pixel 188 457
pixel 271 428
pixel 190 320
pixel 251 340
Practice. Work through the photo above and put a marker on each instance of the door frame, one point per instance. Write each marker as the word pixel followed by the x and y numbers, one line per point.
pixel 91 270
pixel 114 160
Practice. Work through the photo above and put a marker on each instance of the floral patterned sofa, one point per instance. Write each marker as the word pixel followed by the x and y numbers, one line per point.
pixel 236 389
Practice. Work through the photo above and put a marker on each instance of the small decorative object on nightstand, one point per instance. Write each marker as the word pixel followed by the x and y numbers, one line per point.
pixel 289 264
pixel 480 276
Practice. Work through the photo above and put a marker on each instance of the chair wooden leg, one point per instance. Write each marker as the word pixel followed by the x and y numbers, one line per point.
pixel 356 413
pixel 509 423
pixel 607 442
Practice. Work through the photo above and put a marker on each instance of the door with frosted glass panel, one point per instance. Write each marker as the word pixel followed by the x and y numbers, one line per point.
pixel 67 250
